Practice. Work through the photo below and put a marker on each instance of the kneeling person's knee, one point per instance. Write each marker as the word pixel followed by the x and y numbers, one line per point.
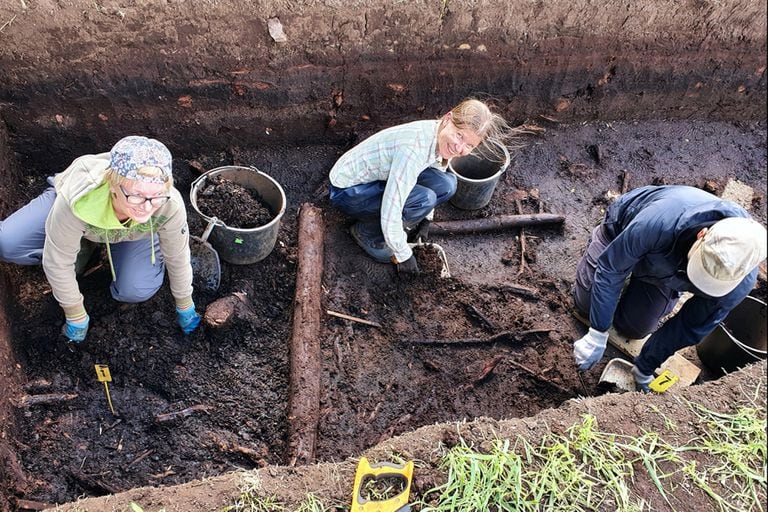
pixel 133 292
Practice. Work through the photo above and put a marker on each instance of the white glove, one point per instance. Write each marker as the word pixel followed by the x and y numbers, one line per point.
pixel 589 350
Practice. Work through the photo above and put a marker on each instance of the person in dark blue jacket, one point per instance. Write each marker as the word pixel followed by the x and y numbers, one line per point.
pixel 654 244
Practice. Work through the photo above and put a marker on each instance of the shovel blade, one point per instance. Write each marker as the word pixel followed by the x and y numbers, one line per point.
pixel 206 268
pixel 618 373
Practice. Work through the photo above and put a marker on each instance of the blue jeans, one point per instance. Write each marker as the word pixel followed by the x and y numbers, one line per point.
pixel 22 237
pixel 363 202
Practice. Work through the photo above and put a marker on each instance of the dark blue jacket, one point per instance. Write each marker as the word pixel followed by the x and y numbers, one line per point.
pixel 651 230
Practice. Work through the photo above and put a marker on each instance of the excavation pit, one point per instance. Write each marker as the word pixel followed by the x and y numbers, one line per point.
pixel 217 401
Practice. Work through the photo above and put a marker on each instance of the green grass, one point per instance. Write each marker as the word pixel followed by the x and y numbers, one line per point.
pixel 251 500
pixel 586 469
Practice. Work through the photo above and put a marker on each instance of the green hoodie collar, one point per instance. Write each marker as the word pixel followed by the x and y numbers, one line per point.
pixel 96 209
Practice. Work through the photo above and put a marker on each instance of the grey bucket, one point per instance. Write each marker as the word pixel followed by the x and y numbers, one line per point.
pixel 237 245
pixel 477 178
pixel 739 340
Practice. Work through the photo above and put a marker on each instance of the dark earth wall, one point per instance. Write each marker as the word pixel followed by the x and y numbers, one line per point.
pixel 10 469
pixel 77 75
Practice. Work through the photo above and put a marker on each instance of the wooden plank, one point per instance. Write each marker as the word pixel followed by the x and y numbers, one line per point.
pixel 677 363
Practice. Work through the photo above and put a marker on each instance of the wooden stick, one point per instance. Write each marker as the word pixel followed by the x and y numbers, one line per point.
pixel 37 385
pixel 624 181
pixel 141 457
pixel 92 270
pixel 94 484
pixel 46 399
pixel 540 377
pixel 450 227
pixel 488 368
pixel 257 457
pixel 502 336
pixel 304 380
pixel 189 411
pixel 518 289
pixel 476 314
pixel 353 318
pixel 523 264
pixel 32 505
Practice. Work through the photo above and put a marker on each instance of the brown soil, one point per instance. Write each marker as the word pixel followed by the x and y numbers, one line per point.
pixel 233 204
pixel 630 414
pixel 615 96
pixel 376 382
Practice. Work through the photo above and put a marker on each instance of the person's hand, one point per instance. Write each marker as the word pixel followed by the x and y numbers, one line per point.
pixel 419 232
pixel 589 350
pixel 409 267
pixel 75 330
pixel 188 318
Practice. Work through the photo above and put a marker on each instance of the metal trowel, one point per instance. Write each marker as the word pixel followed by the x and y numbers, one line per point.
pixel 206 267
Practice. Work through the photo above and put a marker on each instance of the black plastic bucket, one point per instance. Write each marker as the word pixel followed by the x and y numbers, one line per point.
pixel 476 179
pixel 244 246
pixel 739 340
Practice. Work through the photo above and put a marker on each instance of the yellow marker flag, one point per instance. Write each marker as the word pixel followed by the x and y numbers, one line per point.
pixel 102 373
pixel 664 381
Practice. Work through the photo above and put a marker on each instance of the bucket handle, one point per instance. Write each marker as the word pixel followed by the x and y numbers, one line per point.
pixel 200 178
pixel 506 160
pixel 211 224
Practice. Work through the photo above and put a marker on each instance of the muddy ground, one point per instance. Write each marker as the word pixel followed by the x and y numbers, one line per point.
pixel 377 382
pixel 665 91
pixel 630 414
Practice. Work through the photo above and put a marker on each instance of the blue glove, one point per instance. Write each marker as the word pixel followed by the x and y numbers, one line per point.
pixel 188 318
pixel 589 350
pixel 76 331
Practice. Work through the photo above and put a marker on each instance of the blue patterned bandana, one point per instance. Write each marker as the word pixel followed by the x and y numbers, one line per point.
pixel 132 153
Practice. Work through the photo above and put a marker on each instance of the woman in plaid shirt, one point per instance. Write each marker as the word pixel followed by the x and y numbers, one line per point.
pixel 393 180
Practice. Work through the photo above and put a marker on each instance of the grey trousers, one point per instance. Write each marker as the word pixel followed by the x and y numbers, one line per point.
pixel 22 236
pixel 642 305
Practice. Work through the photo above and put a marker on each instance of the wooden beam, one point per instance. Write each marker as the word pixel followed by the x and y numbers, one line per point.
pixel 304 386
pixel 451 227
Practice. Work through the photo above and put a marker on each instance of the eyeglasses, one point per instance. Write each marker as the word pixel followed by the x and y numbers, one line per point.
pixel 141 200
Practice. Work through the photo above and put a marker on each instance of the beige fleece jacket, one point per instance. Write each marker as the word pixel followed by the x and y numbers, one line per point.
pixel 68 222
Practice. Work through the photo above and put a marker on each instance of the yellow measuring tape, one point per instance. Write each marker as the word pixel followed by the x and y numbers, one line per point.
pixel 102 373
pixel 365 471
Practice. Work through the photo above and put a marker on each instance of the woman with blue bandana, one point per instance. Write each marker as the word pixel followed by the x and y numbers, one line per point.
pixel 123 199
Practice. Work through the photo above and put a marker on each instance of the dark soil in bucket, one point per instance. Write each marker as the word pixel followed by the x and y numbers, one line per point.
pixel 233 204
